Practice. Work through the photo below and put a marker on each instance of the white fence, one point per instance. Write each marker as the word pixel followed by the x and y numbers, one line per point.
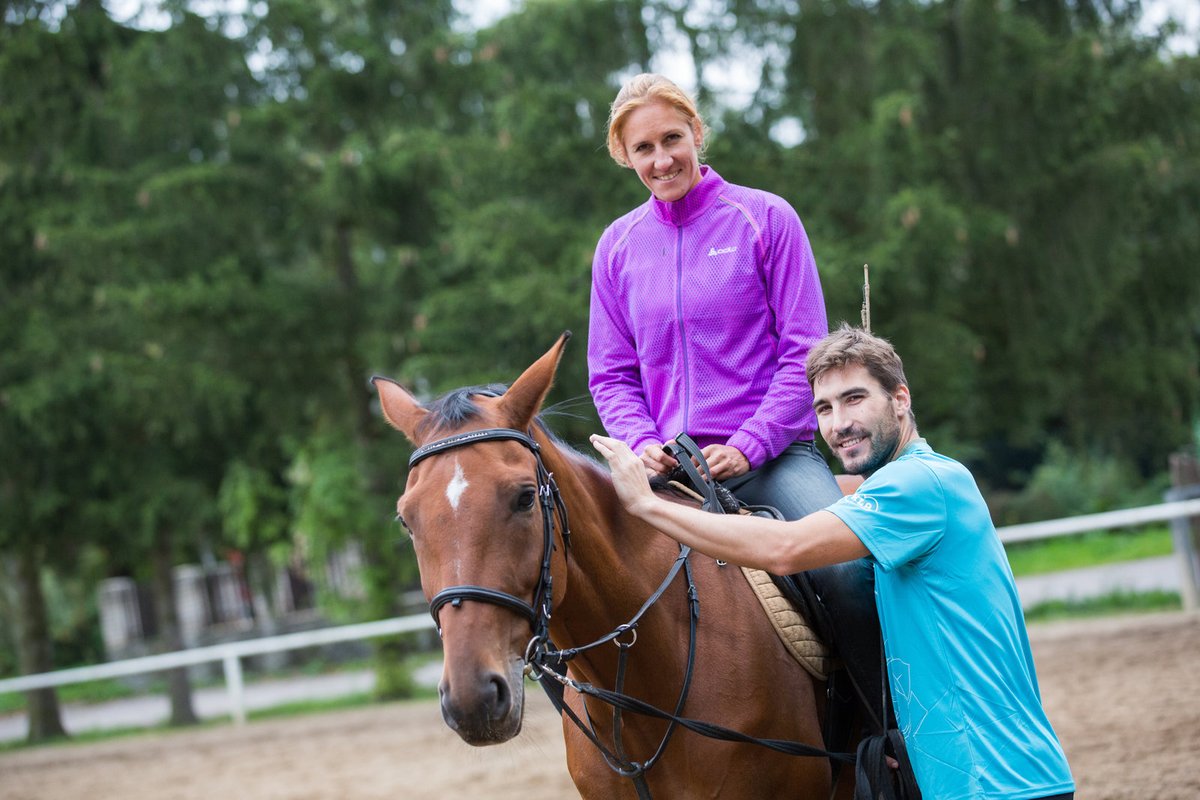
pixel 1178 512
pixel 230 655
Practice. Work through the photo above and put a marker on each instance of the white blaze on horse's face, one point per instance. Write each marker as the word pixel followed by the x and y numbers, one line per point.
pixel 458 484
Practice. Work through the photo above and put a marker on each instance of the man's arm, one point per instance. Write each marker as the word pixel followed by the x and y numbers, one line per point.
pixel 778 547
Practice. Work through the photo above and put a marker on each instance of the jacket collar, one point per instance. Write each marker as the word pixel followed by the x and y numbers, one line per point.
pixel 694 203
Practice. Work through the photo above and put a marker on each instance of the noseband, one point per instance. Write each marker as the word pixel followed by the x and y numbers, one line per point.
pixel 543 661
pixel 552 504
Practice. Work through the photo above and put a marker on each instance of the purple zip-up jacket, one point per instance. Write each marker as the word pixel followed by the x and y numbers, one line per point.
pixel 702 313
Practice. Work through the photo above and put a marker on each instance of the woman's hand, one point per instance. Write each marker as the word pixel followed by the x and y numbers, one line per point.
pixel 628 471
pixel 725 461
pixel 655 460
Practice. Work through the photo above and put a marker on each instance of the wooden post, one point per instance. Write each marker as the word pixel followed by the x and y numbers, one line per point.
pixel 1185 533
pixel 866 303
pixel 234 685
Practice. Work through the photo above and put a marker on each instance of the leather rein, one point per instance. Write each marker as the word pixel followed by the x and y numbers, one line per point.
pixel 541 658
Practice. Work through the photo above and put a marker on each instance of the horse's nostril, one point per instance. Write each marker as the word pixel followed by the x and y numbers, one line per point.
pixel 501 696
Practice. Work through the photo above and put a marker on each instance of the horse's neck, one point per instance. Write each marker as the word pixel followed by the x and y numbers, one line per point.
pixel 616 561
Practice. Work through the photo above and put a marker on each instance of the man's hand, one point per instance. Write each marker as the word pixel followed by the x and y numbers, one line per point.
pixel 655 460
pixel 725 461
pixel 628 472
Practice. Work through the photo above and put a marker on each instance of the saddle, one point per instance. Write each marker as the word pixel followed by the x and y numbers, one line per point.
pixel 805 628
pixel 787 609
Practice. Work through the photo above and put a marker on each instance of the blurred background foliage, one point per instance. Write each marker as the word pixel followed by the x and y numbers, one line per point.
pixel 214 229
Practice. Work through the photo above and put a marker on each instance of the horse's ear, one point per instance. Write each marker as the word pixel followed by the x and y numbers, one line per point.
pixel 400 409
pixel 524 398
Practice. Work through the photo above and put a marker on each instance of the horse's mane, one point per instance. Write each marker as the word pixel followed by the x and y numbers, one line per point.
pixel 457 407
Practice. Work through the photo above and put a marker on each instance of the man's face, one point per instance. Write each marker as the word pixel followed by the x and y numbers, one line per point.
pixel 859 420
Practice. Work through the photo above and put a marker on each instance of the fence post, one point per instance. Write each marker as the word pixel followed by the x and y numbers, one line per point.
pixel 233 683
pixel 1185 532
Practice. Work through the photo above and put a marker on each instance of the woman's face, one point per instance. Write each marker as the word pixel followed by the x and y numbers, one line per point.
pixel 664 150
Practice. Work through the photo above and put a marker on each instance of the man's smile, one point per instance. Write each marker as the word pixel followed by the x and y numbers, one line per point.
pixel 851 442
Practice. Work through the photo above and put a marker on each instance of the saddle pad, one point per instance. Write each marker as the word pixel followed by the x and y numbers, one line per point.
pixel 800 640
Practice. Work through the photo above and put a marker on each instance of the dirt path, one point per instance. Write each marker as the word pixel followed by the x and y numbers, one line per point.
pixel 1124 695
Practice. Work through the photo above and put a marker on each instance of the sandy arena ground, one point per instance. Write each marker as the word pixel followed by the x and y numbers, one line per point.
pixel 1123 694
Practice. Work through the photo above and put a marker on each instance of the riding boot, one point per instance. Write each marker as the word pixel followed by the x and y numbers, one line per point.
pixel 850 625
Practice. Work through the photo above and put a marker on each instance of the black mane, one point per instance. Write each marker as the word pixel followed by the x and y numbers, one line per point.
pixel 457 406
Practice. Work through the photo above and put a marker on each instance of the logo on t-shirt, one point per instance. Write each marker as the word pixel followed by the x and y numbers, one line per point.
pixel 864 501
pixel 712 251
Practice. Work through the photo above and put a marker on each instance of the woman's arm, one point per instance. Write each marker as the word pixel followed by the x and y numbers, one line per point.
pixel 614 369
pixel 778 547
pixel 796 304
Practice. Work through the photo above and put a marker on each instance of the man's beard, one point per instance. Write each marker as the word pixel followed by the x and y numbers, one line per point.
pixel 884 438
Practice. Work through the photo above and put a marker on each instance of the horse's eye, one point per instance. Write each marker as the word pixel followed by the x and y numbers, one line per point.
pixel 404 525
pixel 526 498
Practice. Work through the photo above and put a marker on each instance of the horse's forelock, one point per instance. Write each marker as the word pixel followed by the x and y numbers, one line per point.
pixel 456 408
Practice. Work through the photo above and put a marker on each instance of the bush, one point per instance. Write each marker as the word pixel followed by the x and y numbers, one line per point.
pixel 1068 483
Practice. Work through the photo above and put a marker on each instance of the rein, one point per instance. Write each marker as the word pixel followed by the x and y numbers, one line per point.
pixel 542 660
pixel 540 657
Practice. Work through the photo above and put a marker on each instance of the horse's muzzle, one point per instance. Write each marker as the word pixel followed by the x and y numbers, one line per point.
pixel 485 707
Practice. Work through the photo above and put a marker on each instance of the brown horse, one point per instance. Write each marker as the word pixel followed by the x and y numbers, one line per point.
pixel 472 509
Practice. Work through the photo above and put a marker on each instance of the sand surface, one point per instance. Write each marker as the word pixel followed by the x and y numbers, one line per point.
pixel 1123 694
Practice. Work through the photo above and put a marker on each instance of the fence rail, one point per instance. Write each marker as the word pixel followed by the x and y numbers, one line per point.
pixel 1183 504
pixel 1125 518
pixel 230 655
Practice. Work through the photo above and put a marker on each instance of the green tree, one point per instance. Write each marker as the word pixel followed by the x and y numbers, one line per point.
pixel 529 191
pixel 46 80
pixel 1023 183
pixel 149 311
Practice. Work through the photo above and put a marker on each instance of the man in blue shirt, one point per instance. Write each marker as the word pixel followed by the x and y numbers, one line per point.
pixel 963 684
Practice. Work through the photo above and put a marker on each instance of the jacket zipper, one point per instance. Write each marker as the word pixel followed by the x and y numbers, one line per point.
pixel 683 348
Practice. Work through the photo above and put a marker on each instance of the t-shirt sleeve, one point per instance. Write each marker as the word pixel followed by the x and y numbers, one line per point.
pixel 899 513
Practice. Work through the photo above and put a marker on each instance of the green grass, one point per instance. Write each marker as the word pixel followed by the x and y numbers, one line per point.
pixel 105 690
pixel 285 710
pixel 302 707
pixel 89 692
pixel 1087 550
pixel 1107 605
pixel 101 691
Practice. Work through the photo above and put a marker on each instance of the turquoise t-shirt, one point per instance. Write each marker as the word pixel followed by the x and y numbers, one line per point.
pixel 961 672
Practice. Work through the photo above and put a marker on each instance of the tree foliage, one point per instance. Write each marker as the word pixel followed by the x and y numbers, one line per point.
pixel 213 233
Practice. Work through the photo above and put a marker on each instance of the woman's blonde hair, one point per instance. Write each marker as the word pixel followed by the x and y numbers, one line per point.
pixel 641 90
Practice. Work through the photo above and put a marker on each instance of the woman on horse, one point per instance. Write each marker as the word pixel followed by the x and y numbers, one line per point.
pixel 705 302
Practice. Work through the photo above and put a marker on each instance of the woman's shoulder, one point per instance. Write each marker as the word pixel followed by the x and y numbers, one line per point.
pixel 759 202
pixel 620 227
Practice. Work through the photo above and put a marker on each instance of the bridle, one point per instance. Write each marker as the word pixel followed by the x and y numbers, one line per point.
pixel 542 660
pixel 538 613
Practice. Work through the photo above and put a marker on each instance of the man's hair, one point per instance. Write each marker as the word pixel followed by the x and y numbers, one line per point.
pixel 641 90
pixel 849 346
